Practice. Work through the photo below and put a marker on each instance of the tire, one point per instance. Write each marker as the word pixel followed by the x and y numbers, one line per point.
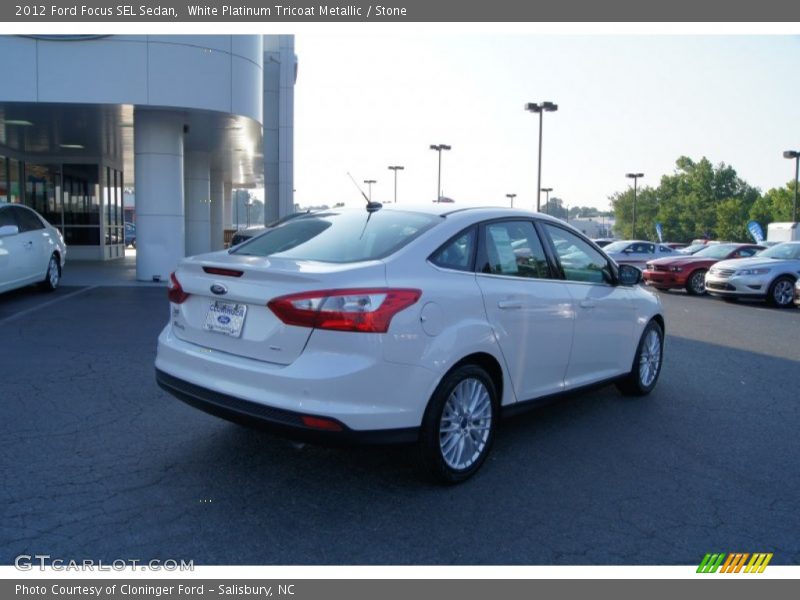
pixel 647 363
pixel 53 276
pixel 781 292
pixel 696 284
pixel 466 400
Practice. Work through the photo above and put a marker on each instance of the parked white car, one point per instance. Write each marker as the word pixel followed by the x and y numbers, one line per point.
pixel 31 250
pixel 637 252
pixel 770 275
pixel 405 325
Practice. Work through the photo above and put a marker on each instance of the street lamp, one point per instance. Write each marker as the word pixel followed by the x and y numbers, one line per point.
pixel 541 109
pixel 635 177
pixel 395 168
pixel 369 182
pixel 511 197
pixel 795 154
pixel 547 199
pixel 439 148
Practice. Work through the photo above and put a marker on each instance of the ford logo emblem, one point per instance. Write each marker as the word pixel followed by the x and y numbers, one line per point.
pixel 224 319
pixel 219 289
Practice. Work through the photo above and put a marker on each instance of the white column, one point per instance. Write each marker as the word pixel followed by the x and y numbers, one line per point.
pixel 217 201
pixel 158 160
pixel 196 177
pixel 227 191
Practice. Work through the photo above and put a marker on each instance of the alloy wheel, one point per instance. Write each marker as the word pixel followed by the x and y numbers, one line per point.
pixel 465 424
pixel 650 358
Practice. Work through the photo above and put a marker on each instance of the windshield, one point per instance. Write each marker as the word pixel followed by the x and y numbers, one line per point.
pixel 782 252
pixel 692 249
pixel 341 236
pixel 616 247
pixel 716 251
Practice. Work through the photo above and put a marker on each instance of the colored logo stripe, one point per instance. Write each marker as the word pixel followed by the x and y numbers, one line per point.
pixel 710 563
pixel 734 562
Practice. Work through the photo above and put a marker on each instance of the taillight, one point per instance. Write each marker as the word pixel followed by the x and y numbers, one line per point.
pixel 365 310
pixel 175 292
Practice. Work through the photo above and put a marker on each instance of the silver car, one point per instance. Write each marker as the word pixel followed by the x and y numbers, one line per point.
pixel 637 252
pixel 769 276
pixel 31 250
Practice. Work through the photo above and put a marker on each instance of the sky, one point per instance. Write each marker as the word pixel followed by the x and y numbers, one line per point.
pixel 626 103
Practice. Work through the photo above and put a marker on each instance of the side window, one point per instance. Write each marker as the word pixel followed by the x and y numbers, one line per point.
pixel 7 217
pixel 27 220
pixel 664 249
pixel 457 253
pixel 513 248
pixel 578 259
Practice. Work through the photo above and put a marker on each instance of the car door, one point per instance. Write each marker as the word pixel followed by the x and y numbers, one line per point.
pixel 34 244
pixel 11 251
pixel 604 312
pixel 530 310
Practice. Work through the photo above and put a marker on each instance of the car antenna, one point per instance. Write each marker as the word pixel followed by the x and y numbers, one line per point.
pixel 371 206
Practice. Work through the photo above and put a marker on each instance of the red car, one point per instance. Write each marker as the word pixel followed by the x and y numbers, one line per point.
pixel 689 271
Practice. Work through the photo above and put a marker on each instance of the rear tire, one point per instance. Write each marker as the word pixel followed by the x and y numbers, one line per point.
pixel 53 276
pixel 696 284
pixel 646 363
pixel 781 292
pixel 459 425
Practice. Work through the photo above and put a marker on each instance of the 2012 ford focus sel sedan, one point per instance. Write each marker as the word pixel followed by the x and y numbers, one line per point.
pixel 405 325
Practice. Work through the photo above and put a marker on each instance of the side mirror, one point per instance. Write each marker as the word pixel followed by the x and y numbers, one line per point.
pixel 629 275
pixel 8 230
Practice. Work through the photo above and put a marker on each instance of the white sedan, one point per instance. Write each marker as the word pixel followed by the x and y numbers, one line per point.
pixel 637 252
pixel 405 325
pixel 31 250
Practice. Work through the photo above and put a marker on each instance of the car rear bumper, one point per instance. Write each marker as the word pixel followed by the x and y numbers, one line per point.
pixel 282 422
pixel 372 399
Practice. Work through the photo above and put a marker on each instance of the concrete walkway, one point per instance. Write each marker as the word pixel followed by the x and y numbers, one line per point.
pixel 116 273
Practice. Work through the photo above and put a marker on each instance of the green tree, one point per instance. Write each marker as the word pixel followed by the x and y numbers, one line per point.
pixel 698 199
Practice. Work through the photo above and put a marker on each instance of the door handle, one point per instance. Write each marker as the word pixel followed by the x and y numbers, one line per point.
pixel 507 304
pixel 29 243
pixel 588 303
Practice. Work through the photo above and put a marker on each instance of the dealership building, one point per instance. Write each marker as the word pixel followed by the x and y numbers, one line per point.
pixel 179 120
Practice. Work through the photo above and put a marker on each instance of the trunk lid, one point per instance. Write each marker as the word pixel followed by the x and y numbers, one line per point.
pixel 262 335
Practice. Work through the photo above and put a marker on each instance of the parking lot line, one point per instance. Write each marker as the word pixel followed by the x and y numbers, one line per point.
pixel 22 313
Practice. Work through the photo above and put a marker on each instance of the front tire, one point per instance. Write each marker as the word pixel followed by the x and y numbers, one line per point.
pixel 459 424
pixel 781 292
pixel 646 363
pixel 53 276
pixel 696 284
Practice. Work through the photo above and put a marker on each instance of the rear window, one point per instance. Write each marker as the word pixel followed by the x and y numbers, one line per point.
pixel 340 237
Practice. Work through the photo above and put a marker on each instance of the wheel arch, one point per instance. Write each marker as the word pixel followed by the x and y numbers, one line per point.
pixel 488 363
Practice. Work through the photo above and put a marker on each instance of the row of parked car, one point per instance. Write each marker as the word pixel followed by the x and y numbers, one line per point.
pixel 730 271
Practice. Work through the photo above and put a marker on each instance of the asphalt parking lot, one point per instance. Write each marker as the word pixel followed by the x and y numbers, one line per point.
pixel 98 462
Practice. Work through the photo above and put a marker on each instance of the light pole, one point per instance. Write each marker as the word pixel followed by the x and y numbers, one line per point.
pixel 511 197
pixel 369 182
pixel 439 148
pixel 635 177
pixel 541 109
pixel 547 199
pixel 395 168
pixel 795 154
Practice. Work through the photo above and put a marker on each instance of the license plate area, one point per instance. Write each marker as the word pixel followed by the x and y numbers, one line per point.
pixel 226 318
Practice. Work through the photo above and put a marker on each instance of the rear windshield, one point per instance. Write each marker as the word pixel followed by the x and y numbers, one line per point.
pixel 340 236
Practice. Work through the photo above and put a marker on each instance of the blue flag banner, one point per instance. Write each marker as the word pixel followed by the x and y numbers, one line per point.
pixel 756 231
pixel 660 232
